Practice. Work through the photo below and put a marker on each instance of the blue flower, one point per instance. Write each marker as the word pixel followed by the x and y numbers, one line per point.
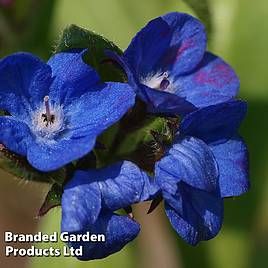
pixel 169 68
pixel 207 162
pixel 56 109
pixel 90 199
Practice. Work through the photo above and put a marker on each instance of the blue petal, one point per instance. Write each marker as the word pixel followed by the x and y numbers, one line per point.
pixel 114 187
pixel 232 159
pixel 72 77
pixel 157 101
pixel 81 204
pixel 175 42
pixel 87 117
pixel 212 82
pixel 121 184
pixel 201 217
pixel 216 123
pixel 148 46
pixel 15 135
pixel 97 110
pixel 24 81
pixel 187 45
pixel 118 231
pixel 53 155
pixel 164 102
pixel 189 160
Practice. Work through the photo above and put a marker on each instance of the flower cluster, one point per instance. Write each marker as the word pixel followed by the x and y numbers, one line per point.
pixel 54 113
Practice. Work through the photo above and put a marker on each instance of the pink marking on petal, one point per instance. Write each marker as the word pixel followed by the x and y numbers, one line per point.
pixel 218 76
pixel 186 45
pixel 224 72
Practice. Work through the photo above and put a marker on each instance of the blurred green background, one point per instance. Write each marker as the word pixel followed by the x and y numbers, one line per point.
pixel 240 36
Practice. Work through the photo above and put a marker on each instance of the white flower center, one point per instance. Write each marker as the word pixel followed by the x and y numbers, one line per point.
pixel 48 120
pixel 159 81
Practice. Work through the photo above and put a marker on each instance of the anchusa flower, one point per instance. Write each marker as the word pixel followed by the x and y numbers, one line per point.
pixel 169 68
pixel 56 109
pixel 207 162
pixel 90 199
pixel 53 113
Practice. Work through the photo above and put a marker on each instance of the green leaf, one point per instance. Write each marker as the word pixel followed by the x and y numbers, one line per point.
pixel 86 162
pixel 53 199
pixel 202 10
pixel 138 137
pixel 137 145
pixel 76 37
pixel 19 167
